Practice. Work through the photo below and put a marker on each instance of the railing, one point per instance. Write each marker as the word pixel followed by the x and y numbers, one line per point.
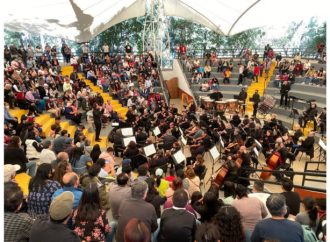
pixel 238 53
pixel 306 170
pixel 290 173
pixel 164 87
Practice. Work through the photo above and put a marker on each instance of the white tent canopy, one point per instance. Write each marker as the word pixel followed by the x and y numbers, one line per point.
pixel 82 20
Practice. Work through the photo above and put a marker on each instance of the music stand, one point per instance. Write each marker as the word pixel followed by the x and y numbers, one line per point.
pixel 323 149
pixel 149 150
pixel 214 152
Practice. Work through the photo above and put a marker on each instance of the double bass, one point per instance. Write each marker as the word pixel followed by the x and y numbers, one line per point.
pixel 272 163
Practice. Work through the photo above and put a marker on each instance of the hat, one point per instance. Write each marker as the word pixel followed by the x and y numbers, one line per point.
pixel 61 206
pixel 159 172
pixel 9 171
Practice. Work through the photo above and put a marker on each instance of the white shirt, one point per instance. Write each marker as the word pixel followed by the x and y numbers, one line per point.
pixel 47 156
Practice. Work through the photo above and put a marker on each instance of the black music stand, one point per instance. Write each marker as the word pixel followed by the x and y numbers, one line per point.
pixel 294 112
pixel 323 149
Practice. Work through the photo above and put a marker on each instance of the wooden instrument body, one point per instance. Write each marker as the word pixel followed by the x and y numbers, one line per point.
pixel 220 177
pixel 272 164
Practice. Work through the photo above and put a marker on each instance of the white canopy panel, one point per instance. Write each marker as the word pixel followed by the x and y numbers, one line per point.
pixel 81 20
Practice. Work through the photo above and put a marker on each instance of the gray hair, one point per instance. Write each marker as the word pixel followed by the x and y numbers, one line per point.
pixel 139 188
pixel 276 204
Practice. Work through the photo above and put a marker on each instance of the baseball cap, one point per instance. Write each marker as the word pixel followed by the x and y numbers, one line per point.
pixel 61 206
pixel 159 172
pixel 10 171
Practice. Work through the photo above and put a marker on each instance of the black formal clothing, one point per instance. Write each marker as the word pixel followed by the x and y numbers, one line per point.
pixel 15 156
pixel 97 122
pixel 285 88
pixel 255 100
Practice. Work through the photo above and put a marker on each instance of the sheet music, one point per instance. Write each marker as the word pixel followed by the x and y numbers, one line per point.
pixel 149 150
pixel 179 157
pixel 128 139
pixel 181 131
pixel 222 143
pixel 258 144
pixel 115 124
pixel 322 145
pixel 183 140
pixel 214 153
pixel 156 131
pixel 127 131
pixel 255 150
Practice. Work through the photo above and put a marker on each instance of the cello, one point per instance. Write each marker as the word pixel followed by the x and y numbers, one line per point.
pixel 272 163
pixel 222 173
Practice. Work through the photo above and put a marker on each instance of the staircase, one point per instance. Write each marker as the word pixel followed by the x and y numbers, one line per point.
pixel 260 86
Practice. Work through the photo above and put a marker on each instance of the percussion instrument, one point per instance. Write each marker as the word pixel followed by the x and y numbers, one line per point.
pixel 221 106
pixel 232 105
pixel 208 103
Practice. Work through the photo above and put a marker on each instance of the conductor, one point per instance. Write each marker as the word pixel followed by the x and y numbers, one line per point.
pixel 255 99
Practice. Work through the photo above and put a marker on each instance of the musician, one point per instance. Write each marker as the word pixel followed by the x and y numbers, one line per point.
pixel 283 152
pixel 235 120
pixel 216 95
pixel 297 134
pixel 285 88
pixel 141 136
pixel 255 99
pixel 307 145
pixel 242 96
pixel 268 143
pixel 244 155
pixel 309 114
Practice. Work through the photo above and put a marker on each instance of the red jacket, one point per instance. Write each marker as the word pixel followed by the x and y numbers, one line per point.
pixel 256 70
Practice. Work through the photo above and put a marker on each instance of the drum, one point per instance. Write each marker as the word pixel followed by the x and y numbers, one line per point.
pixel 220 106
pixel 209 104
pixel 232 105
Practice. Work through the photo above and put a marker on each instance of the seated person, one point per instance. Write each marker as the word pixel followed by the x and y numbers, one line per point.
pixel 71 112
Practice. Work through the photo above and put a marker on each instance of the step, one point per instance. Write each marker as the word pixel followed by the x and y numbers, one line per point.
pixel 42 118
pixel 18 113
pixel 46 127
pixel 71 130
pixel 64 125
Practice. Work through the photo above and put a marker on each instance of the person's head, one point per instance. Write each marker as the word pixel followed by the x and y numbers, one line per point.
pixel 44 172
pixel 287 184
pixel 311 209
pixel 131 145
pixel 276 205
pixel 60 209
pixel 89 206
pixel 229 189
pixel 139 190
pixel 142 170
pixel 241 191
pixel 207 232
pixel 200 159
pixel 228 221
pixel 96 148
pixel 177 183
pixel 180 198
pixel 47 144
pixel 61 168
pixel 100 162
pixel 136 231
pixel 190 173
pixel 110 150
pixel 13 197
pixel 122 179
pixel 94 170
pixel 258 186
pixel 14 141
pixel 195 197
pixel 71 179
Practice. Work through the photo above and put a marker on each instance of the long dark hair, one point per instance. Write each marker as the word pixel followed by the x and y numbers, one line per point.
pixel 229 224
pixel 95 153
pixel 310 206
pixel 89 208
pixel 42 175
pixel 77 152
pixel 60 171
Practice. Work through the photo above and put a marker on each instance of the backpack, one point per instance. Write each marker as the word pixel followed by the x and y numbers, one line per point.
pixel 309 234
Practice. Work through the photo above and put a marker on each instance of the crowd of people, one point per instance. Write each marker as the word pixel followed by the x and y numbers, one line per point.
pixel 60 188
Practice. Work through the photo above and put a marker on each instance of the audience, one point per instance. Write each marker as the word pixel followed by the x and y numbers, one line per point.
pixel 292 198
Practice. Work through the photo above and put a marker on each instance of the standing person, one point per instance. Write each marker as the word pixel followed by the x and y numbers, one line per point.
pixel 242 96
pixel 292 198
pixel 255 100
pixel 241 75
pixel 285 88
pixel 277 227
pixel 90 221
pixel 97 114
pixel 256 72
